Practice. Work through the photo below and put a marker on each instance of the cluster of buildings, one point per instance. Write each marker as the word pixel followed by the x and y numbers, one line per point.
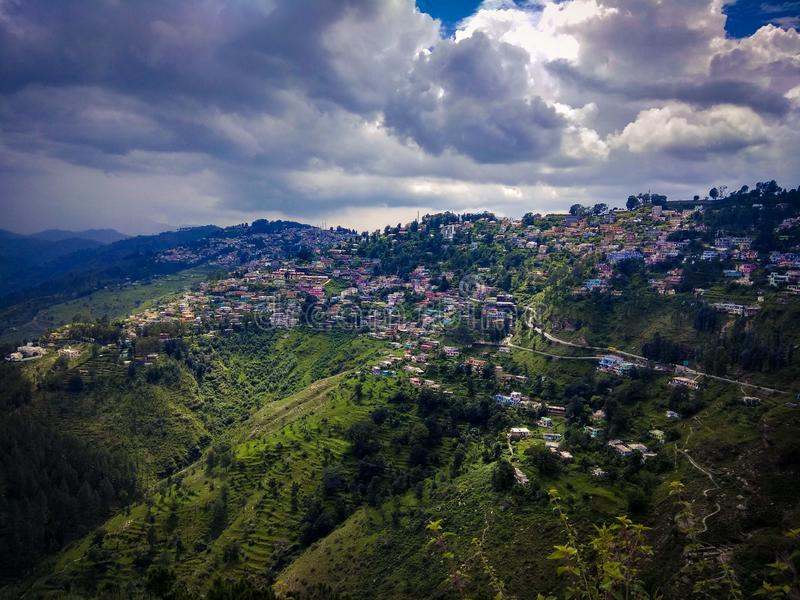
pixel 337 289
pixel 626 449
pixel 739 310
pixel 347 290
pixel 237 245
pixel 26 352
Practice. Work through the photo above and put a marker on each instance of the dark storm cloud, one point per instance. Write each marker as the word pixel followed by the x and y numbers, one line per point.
pixel 233 53
pixel 219 110
pixel 178 75
pixel 168 62
pixel 473 97
pixel 702 93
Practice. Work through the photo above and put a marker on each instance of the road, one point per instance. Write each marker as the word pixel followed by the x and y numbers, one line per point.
pixel 676 368
pixel 508 344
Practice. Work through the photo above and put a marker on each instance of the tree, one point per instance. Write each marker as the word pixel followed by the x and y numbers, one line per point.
pixel 239 590
pixel 543 460
pixel 231 552
pixel 458 459
pixel 75 384
pixel 608 565
pixel 576 210
pixel 713 193
pixel 293 496
pixel 160 581
pixel 503 475
pixel 219 517
pixel 632 202
pixel 364 439
pixel 599 208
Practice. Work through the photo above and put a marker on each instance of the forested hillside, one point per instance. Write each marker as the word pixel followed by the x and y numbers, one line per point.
pixel 441 409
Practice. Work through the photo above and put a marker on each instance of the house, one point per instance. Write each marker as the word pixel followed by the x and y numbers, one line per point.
pixel 778 279
pixel 519 433
pixel 671 414
pixel 751 401
pixel 476 363
pixel 614 364
pixel 520 477
pixel 691 384
pixel 658 435
pixel 594 432
pixel 551 437
pixel 558 411
pixel 69 353
pixel 545 422
pixel 736 309
pixel 502 399
pixel 377 370
pixel 598 473
pixel 615 257
pixel 620 447
pixel 598 416
pixel 27 352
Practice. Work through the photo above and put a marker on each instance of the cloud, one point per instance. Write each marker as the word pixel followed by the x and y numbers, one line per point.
pixel 703 93
pixel 223 110
pixel 473 97
pixel 680 129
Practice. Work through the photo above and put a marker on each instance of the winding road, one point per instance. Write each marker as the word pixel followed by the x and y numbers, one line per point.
pixel 675 368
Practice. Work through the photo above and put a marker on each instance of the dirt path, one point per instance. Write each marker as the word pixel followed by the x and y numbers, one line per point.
pixel 705 472
pixel 706 491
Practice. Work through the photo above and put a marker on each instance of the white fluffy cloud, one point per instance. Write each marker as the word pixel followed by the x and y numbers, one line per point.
pixel 679 128
pixel 361 112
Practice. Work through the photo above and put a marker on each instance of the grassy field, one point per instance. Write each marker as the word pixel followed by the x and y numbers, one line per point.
pixel 335 286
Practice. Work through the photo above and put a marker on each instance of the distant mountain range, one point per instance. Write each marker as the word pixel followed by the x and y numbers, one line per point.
pixel 104 236
pixel 52 266
pixel 19 253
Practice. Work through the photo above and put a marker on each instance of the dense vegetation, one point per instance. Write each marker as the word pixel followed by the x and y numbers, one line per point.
pixel 53 487
pixel 262 464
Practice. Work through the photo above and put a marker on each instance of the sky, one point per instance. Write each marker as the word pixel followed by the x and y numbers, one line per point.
pixel 153 114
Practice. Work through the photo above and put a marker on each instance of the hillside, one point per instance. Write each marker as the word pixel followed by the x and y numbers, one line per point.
pixel 428 412
pixel 41 275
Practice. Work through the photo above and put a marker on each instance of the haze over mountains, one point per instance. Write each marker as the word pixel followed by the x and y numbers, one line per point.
pixel 104 236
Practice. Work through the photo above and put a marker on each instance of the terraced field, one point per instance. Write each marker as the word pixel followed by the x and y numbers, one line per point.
pixel 286 444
